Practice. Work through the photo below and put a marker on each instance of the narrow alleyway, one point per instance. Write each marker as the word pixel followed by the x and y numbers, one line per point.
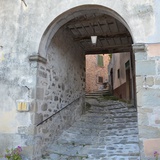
pixel 107 131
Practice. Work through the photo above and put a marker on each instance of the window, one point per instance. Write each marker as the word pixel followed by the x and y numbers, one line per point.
pixel 100 61
pixel 118 73
pixel 127 65
pixel 100 79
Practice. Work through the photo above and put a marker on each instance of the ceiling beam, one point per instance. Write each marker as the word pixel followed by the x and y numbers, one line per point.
pixel 100 36
pixel 109 50
pixel 90 20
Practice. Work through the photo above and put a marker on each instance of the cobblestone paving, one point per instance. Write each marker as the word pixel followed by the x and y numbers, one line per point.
pixel 108 131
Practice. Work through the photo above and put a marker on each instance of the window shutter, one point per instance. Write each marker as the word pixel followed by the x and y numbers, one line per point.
pixel 100 61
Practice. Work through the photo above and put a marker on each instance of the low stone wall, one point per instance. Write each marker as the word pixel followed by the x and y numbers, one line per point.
pixel 53 127
pixel 60 81
pixel 120 91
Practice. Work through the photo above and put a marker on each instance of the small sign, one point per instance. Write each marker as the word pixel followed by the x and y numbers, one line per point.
pixel 22 106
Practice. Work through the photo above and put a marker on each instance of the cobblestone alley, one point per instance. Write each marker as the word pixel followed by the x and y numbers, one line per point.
pixel 107 131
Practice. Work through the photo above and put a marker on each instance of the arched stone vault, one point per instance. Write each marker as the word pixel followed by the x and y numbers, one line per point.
pixel 132 17
pixel 134 22
pixel 73 13
pixel 61 75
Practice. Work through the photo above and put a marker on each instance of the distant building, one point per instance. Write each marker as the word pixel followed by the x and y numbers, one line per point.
pixel 121 76
pixel 96 72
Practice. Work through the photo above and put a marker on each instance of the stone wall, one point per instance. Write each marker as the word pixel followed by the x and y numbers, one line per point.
pixel 17 79
pixel 148 93
pixel 53 127
pixel 60 82
pixel 120 92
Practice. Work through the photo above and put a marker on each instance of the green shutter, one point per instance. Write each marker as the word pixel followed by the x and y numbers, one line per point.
pixel 100 61
pixel 127 65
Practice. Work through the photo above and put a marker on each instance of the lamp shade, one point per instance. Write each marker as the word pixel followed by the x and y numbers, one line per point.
pixel 94 39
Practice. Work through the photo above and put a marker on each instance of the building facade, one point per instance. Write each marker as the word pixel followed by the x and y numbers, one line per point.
pixel 96 72
pixel 122 76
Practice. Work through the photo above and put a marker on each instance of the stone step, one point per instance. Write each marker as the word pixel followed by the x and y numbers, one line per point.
pixel 123 157
pixel 112 110
pixel 118 132
pixel 110 103
pixel 101 92
pixel 109 119
pixel 121 126
pixel 121 139
pixel 109 115
pixel 124 114
pixel 76 139
pixel 104 125
pixel 93 96
pixel 116 106
pixel 124 131
pixel 108 109
pixel 54 156
pixel 124 119
pixel 67 150
pixel 102 110
pixel 95 115
pixel 83 131
pixel 118 110
pixel 123 149
pixel 90 125
pixel 96 120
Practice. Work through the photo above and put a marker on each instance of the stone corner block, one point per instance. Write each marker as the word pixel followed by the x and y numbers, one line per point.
pixel 146 67
pixel 139 47
pixel 153 50
pixel 37 58
pixel 40 93
pixel 150 146
pixel 149 81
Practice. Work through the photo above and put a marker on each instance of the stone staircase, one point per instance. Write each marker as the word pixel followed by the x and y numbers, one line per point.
pixel 107 131
pixel 97 94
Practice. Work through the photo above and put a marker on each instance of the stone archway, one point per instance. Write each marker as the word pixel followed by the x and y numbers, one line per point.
pixel 61 77
pixel 44 49
pixel 22 34
pixel 67 16
pixel 138 36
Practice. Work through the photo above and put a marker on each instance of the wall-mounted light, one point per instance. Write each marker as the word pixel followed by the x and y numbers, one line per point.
pixel 94 39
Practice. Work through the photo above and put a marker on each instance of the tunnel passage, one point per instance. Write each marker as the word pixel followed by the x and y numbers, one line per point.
pixel 61 79
pixel 60 86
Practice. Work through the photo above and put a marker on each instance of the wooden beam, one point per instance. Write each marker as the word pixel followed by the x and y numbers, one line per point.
pixel 100 27
pixel 115 35
pixel 89 20
pixel 109 50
